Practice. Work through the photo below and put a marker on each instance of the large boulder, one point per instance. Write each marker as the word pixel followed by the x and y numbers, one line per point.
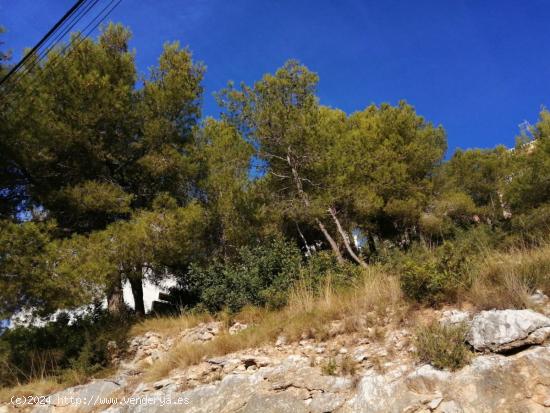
pixel 83 398
pixel 492 383
pixel 504 330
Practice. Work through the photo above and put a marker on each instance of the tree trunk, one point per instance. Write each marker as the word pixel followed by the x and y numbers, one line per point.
pixel 372 244
pixel 115 299
pixel 305 200
pixel 345 238
pixel 331 241
pixel 137 291
pixel 306 245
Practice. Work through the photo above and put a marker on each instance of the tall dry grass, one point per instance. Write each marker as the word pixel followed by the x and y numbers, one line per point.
pixel 39 387
pixel 507 279
pixel 42 383
pixel 169 325
pixel 308 314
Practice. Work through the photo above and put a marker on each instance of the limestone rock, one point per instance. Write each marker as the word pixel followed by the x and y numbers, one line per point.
pixel 281 341
pixel 492 383
pixel 434 404
pixel 149 347
pixel 201 333
pixel 503 330
pixel 326 402
pixel 453 317
pixel 84 398
pixel 426 379
pixel 290 377
pixel 275 403
pixel 539 298
pixel 237 328
pixel 449 407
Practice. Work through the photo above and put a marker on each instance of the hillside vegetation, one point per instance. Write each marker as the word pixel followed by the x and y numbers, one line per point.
pixel 281 212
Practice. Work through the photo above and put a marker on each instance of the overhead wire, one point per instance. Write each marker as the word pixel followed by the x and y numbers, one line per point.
pixel 50 32
pixel 39 57
pixel 73 44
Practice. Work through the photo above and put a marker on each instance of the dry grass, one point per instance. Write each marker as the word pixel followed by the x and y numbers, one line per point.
pixel 443 346
pixel 33 388
pixel 168 325
pixel 330 368
pixel 47 384
pixel 306 315
pixel 348 366
pixel 505 280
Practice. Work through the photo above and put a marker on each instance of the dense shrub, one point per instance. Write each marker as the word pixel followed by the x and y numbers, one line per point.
pixel 259 276
pixel 79 344
pixel 533 225
pixel 507 279
pixel 443 346
pixel 422 280
pixel 318 267
pixel 457 206
pixel 437 274
pixel 449 214
pixel 262 276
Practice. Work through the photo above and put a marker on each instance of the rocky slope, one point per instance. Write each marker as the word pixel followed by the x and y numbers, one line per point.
pixel 510 373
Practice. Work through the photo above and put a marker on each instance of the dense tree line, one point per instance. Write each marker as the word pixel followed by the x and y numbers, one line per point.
pixel 109 176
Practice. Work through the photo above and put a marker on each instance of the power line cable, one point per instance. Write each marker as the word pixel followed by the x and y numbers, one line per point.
pixel 39 57
pixel 76 41
pixel 42 41
pixel 36 62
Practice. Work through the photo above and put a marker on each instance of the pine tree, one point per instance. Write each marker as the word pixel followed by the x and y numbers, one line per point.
pixel 91 146
pixel 279 115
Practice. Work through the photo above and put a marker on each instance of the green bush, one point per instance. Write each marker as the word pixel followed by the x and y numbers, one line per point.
pixel 443 346
pixel 324 264
pixel 262 276
pixel 434 226
pixel 458 206
pixel 422 280
pixel 79 344
pixel 533 226
pixel 437 274
pixel 259 276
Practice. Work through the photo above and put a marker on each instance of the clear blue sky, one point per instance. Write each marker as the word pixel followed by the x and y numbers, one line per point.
pixel 479 68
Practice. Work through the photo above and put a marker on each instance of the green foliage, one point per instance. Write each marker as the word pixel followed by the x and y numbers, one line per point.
pixel 481 174
pixel 449 213
pixel 12 191
pixel 91 143
pixel 154 240
pixel 443 346
pixel 262 276
pixel 93 203
pixel 434 275
pixel 223 159
pixel 424 280
pixel 79 344
pixel 322 265
pixel 372 168
pixel 458 206
pixel 31 273
pixel 330 368
pixel 387 155
pixel 280 116
pixel 259 276
pixel 529 186
pixel 533 225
